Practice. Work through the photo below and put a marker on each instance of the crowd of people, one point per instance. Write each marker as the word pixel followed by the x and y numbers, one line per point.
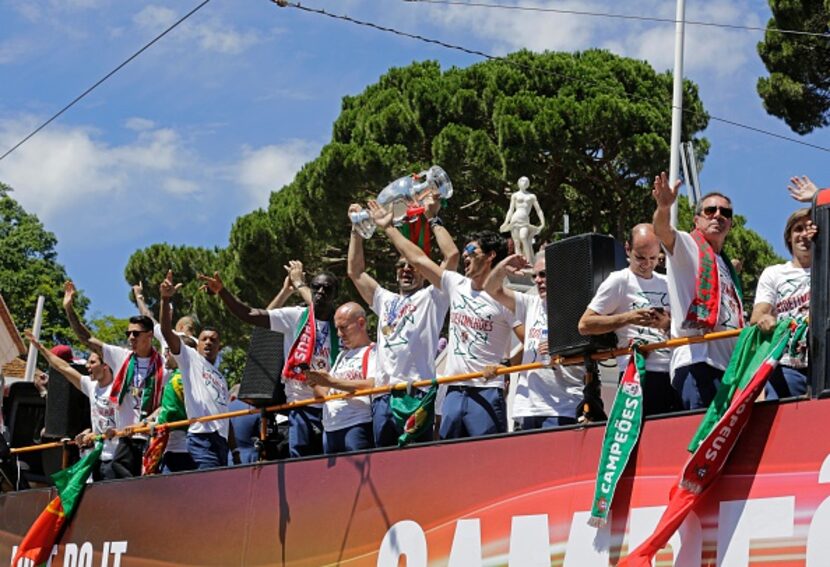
pixel 700 293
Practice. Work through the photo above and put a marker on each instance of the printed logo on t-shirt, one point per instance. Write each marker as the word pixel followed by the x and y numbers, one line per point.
pixel 790 304
pixel 647 300
pixel 471 331
pixel 398 318
pixel 215 384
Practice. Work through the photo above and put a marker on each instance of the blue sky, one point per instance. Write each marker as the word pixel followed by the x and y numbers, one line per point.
pixel 226 108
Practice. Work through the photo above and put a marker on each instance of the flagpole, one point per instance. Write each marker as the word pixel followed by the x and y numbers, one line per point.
pixel 677 100
pixel 29 376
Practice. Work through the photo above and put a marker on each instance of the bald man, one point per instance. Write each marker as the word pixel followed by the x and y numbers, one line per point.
pixel 347 423
pixel 633 303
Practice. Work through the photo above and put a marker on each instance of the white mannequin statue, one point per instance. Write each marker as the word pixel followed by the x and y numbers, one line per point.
pixel 517 220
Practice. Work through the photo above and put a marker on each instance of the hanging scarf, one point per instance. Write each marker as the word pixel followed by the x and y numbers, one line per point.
pixel 151 391
pixel 306 344
pixel 172 409
pixel 621 435
pixel 705 307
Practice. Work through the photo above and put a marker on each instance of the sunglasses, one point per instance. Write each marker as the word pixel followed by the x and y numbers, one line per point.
pixel 725 212
pixel 134 333
pixel 471 250
pixel 539 274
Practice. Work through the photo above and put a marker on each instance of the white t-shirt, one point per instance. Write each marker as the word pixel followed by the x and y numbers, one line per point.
pixel 129 412
pixel 205 391
pixel 285 320
pixel 339 414
pixel 480 330
pixel 625 291
pixel 544 391
pixel 409 327
pixel 787 289
pixel 101 412
pixel 682 276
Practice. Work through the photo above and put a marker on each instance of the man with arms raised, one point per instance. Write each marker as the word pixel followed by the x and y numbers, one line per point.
pixel 633 303
pixel 546 397
pixel 704 291
pixel 409 322
pixel 205 389
pixel 480 330
pixel 137 386
pixel 305 423
pixel 96 386
pixel 348 422
pixel 784 291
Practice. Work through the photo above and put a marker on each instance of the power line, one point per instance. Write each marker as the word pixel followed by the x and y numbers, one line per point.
pixel 619 16
pixel 630 96
pixel 104 78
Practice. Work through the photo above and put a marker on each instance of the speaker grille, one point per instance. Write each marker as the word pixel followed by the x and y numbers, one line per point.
pixel 575 268
pixel 261 383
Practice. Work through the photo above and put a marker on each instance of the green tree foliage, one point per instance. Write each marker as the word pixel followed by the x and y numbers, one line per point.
pixel 589 129
pixel 29 268
pixel 798 87
pixel 109 329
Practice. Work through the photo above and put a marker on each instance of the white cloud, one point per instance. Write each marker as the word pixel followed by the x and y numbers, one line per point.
pixel 269 168
pixel 708 49
pixel 211 35
pixel 139 124
pixel 178 186
pixel 12 50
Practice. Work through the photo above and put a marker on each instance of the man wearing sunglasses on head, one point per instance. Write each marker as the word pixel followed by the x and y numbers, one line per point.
pixel 704 291
pixel 137 385
pixel 409 322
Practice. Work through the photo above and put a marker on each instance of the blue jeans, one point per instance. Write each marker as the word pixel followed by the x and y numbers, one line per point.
pixel 386 430
pixel 787 382
pixel 305 432
pixel 354 438
pixel 209 450
pixel 472 412
pixel 696 384
pixel 544 422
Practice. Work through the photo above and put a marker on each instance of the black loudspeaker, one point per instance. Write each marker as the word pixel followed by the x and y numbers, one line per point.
pixel 261 383
pixel 67 408
pixel 575 268
pixel 24 412
pixel 819 303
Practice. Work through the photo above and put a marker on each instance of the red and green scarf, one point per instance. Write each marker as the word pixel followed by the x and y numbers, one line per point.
pixel 704 310
pixel 172 409
pixel 302 350
pixel 151 391
pixel 419 233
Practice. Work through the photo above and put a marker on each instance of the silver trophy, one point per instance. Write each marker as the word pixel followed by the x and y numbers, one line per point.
pixel 405 197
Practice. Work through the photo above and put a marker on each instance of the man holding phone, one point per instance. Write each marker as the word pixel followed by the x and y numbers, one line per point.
pixel 633 303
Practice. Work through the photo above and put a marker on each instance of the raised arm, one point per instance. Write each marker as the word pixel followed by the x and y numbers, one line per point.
pixel 665 196
pixel 494 284
pixel 409 250
pixel 167 290
pixel 56 362
pixel 356 265
pixel 258 317
pixel 283 295
pixel 138 293
pixel 79 328
pixel 449 251
pixel 802 189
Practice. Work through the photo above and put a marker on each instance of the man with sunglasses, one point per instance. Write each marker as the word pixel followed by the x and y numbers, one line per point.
pixel 633 303
pixel 480 329
pixel 409 322
pixel 138 383
pixel 305 426
pixel 704 291
pixel 545 397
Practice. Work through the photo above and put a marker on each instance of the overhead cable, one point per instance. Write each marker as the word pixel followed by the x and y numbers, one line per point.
pixel 518 7
pixel 104 78
pixel 630 96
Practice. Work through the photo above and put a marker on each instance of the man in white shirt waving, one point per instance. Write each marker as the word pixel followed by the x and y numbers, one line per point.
pixel 480 329
pixel 205 389
pixel 409 323
pixel 704 291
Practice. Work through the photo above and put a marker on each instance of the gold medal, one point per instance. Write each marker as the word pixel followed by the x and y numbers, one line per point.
pixel 387 330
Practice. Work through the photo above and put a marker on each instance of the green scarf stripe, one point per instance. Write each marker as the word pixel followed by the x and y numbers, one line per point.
pixel 622 432
pixel 334 342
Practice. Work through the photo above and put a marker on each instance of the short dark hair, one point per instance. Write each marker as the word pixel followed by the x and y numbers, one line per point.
pixel 794 219
pixel 145 322
pixel 211 329
pixel 699 206
pixel 490 241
